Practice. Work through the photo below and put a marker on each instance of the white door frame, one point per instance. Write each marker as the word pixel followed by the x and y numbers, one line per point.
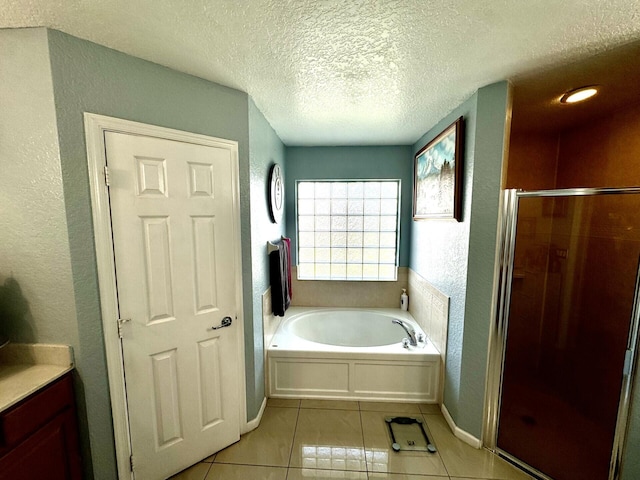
pixel 95 126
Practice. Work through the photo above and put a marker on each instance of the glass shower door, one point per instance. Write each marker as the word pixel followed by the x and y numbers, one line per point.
pixel 571 302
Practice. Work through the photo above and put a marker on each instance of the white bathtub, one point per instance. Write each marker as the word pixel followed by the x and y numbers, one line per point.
pixel 341 353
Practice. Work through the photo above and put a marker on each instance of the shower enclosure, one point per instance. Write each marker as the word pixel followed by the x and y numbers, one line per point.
pixel 565 335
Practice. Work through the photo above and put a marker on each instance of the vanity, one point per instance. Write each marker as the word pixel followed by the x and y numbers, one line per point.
pixel 38 426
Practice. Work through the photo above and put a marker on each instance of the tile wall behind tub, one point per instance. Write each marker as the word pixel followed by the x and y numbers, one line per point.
pixel 334 293
pixel 430 308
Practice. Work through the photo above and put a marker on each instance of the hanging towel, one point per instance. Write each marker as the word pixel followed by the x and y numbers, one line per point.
pixel 287 242
pixel 279 277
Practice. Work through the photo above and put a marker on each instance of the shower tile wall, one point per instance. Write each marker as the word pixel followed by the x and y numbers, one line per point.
pixel 602 152
pixel 310 293
pixel 430 308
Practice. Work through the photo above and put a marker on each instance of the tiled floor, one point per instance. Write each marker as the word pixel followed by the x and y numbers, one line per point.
pixel 322 440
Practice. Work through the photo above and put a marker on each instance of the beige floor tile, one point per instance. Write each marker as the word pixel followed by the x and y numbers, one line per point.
pixel 210 459
pixel 430 408
pixel 382 459
pixel 330 404
pixel 400 476
pixel 221 471
pixel 283 402
pixel 196 472
pixel 313 474
pixel 462 460
pixel 389 407
pixel 269 444
pixel 329 440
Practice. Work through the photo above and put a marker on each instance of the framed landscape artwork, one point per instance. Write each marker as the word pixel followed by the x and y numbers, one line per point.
pixel 437 178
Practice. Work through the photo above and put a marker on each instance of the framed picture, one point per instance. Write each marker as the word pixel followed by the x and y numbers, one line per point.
pixel 437 176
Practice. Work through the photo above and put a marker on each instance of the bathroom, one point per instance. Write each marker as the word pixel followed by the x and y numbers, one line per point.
pixel 69 76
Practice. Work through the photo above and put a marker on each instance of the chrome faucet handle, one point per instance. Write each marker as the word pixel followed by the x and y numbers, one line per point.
pixel 421 338
pixel 405 343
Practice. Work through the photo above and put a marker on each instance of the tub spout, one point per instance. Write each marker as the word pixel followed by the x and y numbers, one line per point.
pixel 413 341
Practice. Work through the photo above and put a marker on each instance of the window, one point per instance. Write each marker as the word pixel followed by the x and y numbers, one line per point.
pixel 348 230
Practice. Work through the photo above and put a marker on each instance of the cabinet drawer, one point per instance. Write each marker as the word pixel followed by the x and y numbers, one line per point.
pixel 26 417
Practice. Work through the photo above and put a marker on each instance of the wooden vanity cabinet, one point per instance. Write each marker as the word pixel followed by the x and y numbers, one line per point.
pixel 39 436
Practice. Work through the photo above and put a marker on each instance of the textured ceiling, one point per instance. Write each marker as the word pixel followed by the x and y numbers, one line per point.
pixel 346 72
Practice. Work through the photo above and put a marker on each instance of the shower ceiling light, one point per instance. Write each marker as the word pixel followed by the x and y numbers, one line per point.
pixel 579 94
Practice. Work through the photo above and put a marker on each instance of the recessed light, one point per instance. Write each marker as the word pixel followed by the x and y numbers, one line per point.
pixel 579 94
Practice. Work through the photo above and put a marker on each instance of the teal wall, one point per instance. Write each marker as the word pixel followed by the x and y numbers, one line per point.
pixel 491 138
pixel 458 257
pixel 265 150
pixel 91 78
pixel 440 251
pixel 325 163
pixel 36 283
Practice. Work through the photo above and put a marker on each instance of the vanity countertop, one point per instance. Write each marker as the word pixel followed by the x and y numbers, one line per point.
pixel 26 368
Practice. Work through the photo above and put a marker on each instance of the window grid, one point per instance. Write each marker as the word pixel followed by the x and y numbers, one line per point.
pixel 348 230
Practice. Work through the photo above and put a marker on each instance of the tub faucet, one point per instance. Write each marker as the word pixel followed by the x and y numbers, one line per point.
pixel 413 341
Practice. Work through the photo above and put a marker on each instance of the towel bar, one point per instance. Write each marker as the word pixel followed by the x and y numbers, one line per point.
pixel 271 247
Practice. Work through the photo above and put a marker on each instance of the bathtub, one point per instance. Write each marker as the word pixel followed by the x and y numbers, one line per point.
pixel 350 354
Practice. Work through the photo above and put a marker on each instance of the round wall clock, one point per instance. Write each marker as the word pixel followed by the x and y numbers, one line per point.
pixel 276 194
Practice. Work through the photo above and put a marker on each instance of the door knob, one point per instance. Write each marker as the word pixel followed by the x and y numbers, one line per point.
pixel 226 321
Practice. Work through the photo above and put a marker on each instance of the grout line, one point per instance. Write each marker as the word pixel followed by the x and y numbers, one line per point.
pixel 208 470
pixel 364 447
pixel 432 438
pixel 293 439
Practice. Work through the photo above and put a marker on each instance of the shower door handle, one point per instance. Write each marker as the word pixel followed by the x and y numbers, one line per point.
pixel 226 321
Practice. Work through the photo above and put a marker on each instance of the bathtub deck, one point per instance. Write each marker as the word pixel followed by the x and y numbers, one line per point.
pixel 302 369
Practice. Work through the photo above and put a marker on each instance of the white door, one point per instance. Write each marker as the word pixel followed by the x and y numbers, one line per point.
pixel 172 221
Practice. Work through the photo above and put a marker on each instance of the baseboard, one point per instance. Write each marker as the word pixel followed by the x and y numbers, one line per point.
pixel 253 424
pixel 466 437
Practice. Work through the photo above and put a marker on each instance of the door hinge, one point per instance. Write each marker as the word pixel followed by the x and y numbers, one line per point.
pixel 122 321
pixel 106 176
pixel 131 463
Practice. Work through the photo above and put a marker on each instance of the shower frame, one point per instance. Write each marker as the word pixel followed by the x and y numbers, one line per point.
pixel 497 336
